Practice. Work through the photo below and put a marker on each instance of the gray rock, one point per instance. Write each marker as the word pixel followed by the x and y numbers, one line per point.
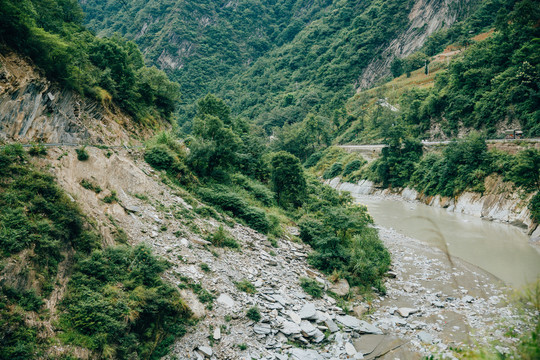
pixel 367 343
pixel 341 287
pixel 349 349
pixel 200 241
pixel 308 330
pixel 308 312
pixel 132 208
pixel 406 312
pixel 198 309
pixel 217 333
pixel 262 328
pixel 308 354
pixel 468 299
pixel 290 328
pixel 295 317
pixel 358 325
pixel 331 326
pixel 348 321
pixel 206 351
pixel 318 336
pixel 425 337
pixel 280 299
pixel 367 328
pixel 438 304
pixel 226 300
pixel 360 310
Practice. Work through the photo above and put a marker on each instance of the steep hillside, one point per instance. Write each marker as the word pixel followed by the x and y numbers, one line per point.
pixel 197 42
pixel 487 83
pixel 311 55
pixel 110 70
pixel 34 109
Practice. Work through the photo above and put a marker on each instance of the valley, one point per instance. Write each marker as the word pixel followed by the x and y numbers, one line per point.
pixel 281 179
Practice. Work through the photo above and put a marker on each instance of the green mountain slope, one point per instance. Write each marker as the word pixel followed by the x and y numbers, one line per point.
pixel 197 42
pixel 274 61
pixel 51 33
pixel 487 83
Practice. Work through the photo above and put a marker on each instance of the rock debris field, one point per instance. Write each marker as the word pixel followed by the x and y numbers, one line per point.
pixel 431 304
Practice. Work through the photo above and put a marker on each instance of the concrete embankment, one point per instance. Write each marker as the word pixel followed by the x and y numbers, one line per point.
pixel 498 203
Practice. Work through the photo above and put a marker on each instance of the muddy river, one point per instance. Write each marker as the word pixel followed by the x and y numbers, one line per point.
pixel 500 249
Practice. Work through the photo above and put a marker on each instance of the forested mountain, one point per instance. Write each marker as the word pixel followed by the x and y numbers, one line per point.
pixel 198 42
pixel 274 61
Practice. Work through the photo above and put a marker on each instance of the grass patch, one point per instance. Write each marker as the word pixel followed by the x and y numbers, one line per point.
pixel 221 238
pixel 111 198
pixel 246 286
pixel 204 267
pixel 82 154
pixel 254 314
pixel 312 287
pixel 90 185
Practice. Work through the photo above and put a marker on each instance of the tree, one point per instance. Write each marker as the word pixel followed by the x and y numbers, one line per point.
pixel 526 171
pixel 215 144
pixel 288 180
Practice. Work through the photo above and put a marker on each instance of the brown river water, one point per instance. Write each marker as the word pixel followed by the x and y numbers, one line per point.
pixel 500 249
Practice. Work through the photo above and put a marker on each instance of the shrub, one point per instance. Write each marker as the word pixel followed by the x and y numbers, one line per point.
pixel 313 159
pixel 109 199
pixel 342 241
pixel 89 185
pixel 258 190
pixel 37 150
pixel 222 239
pixel 352 166
pixel 116 300
pixel 534 207
pixel 245 286
pixel 204 267
pixel 526 169
pixel 288 180
pixel 311 287
pixel 227 200
pixel 82 154
pixel 254 314
pixel 256 218
pixel 333 171
pixel 161 157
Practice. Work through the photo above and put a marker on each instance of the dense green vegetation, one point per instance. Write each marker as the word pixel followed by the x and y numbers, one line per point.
pixel 107 69
pixel 39 227
pixel 274 62
pixel 197 42
pixel 490 86
pixel 118 306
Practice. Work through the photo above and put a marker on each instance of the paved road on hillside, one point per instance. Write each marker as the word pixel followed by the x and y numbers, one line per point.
pixel 379 147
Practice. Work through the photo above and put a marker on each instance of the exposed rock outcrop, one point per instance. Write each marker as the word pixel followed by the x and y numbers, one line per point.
pixel 499 202
pixel 426 17
pixel 35 109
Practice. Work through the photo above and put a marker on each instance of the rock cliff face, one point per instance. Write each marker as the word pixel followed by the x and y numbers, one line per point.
pixel 35 109
pixel 498 203
pixel 426 17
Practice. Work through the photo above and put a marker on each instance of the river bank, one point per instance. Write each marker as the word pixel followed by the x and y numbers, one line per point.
pixel 495 205
pixel 439 303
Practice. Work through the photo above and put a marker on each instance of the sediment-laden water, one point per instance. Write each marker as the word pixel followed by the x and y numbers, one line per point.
pixel 501 249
